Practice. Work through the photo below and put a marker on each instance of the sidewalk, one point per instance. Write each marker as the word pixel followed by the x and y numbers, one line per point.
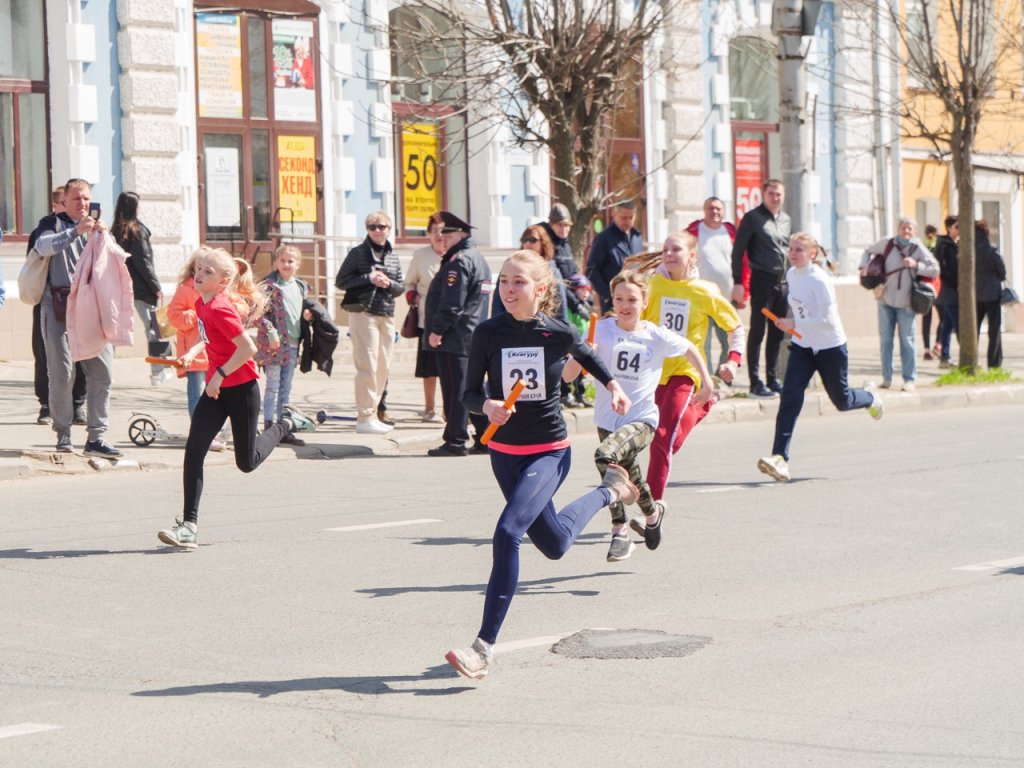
pixel 26 448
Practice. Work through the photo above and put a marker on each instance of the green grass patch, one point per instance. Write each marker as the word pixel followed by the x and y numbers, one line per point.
pixel 962 377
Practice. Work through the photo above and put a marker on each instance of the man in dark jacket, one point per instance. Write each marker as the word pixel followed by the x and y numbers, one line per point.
pixel 614 245
pixel 989 273
pixel 763 235
pixel 948 255
pixel 456 303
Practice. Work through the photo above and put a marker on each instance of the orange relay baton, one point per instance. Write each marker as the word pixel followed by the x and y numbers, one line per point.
pixel 592 331
pixel 517 390
pixel 775 318
pixel 163 361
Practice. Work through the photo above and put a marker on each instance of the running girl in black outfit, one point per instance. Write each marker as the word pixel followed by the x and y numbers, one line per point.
pixel 530 453
pixel 225 289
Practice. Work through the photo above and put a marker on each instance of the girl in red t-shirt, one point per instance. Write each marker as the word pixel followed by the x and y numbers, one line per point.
pixel 226 292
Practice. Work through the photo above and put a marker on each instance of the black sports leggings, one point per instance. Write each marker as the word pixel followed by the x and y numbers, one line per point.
pixel 241 404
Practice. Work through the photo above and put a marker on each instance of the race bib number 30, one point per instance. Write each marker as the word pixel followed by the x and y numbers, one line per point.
pixel 526 363
pixel 675 315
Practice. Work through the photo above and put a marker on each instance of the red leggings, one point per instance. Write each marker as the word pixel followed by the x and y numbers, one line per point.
pixel 677 416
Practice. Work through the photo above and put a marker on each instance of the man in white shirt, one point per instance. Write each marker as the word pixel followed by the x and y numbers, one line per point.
pixel 715 237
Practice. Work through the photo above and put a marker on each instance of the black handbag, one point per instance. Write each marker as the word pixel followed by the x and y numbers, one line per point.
pixel 1008 296
pixel 922 297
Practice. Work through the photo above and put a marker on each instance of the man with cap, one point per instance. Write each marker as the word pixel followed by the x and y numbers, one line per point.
pixel 610 248
pixel 558 225
pixel 456 302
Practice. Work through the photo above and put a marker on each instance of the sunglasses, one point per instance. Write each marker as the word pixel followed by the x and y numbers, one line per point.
pixel 378 227
pixel 530 240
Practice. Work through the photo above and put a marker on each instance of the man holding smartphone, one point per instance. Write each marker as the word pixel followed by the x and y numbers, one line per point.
pixel 62 238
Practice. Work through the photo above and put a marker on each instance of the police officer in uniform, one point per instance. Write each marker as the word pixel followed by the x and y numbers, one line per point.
pixel 456 302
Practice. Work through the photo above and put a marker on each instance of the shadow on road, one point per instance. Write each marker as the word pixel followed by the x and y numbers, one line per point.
pixel 537 587
pixel 375 685
pixel 33 554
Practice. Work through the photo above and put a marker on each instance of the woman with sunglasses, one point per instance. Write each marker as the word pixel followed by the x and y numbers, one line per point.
pixel 536 239
pixel 372 279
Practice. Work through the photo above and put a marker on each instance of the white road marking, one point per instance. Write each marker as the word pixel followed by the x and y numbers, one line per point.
pixel 532 642
pixel 24 729
pixel 721 489
pixel 372 526
pixel 993 565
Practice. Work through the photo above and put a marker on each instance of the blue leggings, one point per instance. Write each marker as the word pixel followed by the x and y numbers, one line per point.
pixel 529 483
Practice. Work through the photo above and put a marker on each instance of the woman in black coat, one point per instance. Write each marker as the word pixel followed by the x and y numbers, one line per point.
pixel 989 273
pixel 133 237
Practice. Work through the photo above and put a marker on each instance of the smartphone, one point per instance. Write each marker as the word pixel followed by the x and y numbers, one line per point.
pixel 94 211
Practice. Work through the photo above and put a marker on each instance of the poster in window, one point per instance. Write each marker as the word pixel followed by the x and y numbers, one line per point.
pixel 421 169
pixel 219 60
pixel 296 179
pixel 223 207
pixel 294 73
pixel 749 175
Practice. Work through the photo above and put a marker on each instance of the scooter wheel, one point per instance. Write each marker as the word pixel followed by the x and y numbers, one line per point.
pixel 142 432
pixel 321 417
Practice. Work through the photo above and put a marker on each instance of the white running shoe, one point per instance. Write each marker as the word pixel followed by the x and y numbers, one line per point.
pixel 473 662
pixel 877 407
pixel 775 466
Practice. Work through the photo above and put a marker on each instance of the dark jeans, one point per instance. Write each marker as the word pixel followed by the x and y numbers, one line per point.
pixel 803 364
pixel 42 375
pixel 528 484
pixel 950 325
pixel 992 312
pixel 765 291
pixel 240 404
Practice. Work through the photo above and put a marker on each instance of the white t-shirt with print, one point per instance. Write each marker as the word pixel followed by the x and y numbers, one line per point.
pixel 634 359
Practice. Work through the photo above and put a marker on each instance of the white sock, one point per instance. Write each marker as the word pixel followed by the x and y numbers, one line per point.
pixel 192 526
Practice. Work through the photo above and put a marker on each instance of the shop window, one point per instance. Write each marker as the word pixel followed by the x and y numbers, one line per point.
pixel 24 158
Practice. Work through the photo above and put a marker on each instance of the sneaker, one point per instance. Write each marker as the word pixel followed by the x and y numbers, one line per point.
pixel 372 427
pixel 183 535
pixel 877 407
pixel 479 448
pixel 101 449
pixel 300 421
pixel 156 379
pixel 431 417
pixel 217 445
pixel 775 387
pixel 760 391
pixel 447 450
pixel 383 418
pixel 79 418
pixel 64 444
pixel 722 391
pixel 775 466
pixel 886 384
pixel 44 416
pixel 928 354
pixel 944 363
pixel 473 662
pixel 622 547
pixel 291 439
pixel 568 401
pixel 651 533
pixel 616 479
pixel 909 386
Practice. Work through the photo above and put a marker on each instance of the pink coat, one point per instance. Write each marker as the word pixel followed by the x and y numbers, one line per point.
pixel 101 304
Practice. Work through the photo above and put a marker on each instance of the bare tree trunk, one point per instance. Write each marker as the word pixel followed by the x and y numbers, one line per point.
pixel 963 167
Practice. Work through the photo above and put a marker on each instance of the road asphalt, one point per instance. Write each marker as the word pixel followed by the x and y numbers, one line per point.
pixel 26 448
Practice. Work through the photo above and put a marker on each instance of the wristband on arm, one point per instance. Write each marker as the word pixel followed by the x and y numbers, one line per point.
pixel 221 372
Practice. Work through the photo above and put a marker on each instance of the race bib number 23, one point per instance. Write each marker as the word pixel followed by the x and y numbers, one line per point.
pixel 526 363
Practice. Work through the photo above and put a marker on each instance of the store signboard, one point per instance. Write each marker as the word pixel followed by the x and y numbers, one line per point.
pixel 294 73
pixel 296 178
pixel 421 160
pixel 750 175
pixel 219 61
